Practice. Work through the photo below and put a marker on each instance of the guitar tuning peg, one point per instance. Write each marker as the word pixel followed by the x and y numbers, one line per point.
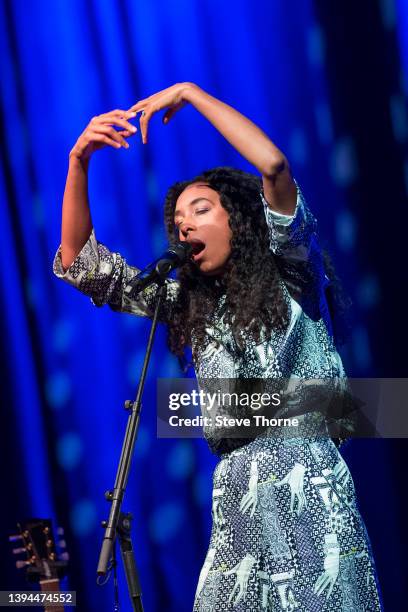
pixel 64 556
pixel 18 551
pixel 62 543
pixel 15 538
pixel 20 564
pixel 60 531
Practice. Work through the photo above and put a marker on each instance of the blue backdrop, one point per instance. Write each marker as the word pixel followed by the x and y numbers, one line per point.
pixel 329 85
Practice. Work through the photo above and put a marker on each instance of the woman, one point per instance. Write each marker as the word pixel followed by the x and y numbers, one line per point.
pixel 255 301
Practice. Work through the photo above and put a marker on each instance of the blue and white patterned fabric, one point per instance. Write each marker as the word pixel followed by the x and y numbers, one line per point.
pixel 287 533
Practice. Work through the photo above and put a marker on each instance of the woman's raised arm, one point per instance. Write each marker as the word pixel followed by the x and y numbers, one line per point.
pixel 246 137
pixel 76 223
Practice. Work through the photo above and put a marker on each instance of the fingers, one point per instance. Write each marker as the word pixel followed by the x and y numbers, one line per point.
pixel 111 133
pixel 118 118
pixel 125 133
pixel 321 584
pixel 103 139
pixel 325 583
pixel 147 111
pixel 283 481
pixel 233 592
pixel 144 123
pixel 240 596
pixel 117 115
pixel 149 106
pixel 292 501
pixel 170 99
pixel 244 508
pixel 232 571
pixel 102 131
pixel 172 111
pixel 246 502
pixel 220 517
pixel 330 590
pixel 146 115
pixel 123 123
pixel 301 503
pixel 139 106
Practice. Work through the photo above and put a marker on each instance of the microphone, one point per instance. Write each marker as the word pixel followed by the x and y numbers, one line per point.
pixel 174 257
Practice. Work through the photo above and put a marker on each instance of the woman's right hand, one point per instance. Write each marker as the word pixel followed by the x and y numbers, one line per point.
pixel 100 132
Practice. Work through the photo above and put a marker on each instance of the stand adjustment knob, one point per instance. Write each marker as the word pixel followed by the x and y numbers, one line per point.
pixel 126 523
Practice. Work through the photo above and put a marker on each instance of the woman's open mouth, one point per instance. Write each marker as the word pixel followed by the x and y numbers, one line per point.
pixel 198 248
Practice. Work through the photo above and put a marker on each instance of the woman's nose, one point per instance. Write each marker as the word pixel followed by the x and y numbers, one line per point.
pixel 185 227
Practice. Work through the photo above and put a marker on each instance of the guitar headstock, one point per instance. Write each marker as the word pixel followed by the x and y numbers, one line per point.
pixel 44 559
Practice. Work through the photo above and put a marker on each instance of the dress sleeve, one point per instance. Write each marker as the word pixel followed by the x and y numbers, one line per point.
pixel 291 236
pixel 295 243
pixel 103 276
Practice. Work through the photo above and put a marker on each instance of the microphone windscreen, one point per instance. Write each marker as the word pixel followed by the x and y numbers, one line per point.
pixel 182 250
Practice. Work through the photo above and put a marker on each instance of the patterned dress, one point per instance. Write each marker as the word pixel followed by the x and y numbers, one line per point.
pixel 286 532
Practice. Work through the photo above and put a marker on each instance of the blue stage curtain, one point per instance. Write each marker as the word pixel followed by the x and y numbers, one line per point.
pixel 68 366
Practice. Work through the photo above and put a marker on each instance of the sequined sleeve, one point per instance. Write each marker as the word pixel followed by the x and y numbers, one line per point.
pixel 103 276
pixel 295 243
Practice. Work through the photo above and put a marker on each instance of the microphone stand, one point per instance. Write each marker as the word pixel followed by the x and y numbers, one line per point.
pixel 118 523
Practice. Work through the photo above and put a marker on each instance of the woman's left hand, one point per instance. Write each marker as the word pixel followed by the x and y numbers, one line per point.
pixel 171 98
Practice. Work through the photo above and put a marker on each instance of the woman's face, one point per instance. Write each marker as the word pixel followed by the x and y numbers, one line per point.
pixel 203 222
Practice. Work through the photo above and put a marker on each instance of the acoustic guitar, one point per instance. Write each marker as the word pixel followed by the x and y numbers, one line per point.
pixel 42 562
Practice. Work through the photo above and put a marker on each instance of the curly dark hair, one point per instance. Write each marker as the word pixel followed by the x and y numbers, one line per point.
pixel 251 281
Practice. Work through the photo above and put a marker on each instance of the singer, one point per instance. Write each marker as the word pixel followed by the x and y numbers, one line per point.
pixel 257 299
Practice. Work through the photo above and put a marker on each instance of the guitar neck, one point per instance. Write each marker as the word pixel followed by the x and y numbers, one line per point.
pixel 51 585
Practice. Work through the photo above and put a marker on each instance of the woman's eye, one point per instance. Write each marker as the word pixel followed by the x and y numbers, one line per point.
pixel 201 210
